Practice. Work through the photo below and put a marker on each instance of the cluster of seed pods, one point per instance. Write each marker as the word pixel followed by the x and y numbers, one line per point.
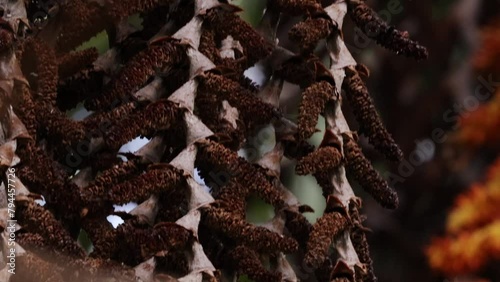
pixel 179 80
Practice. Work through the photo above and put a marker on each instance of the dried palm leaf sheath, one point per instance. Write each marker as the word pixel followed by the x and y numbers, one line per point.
pixel 180 82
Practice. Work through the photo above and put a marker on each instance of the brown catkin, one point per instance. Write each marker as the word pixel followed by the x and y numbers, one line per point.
pixel 119 173
pixel 7 38
pixel 31 241
pixel 208 47
pixel 172 205
pixel 227 23
pixel 181 230
pixel 325 182
pixel 247 261
pixel 155 117
pixel 219 157
pixel 367 176
pixel 107 119
pixel 299 227
pixel 46 68
pixel 82 20
pixel 309 32
pixel 37 219
pixel 313 102
pixel 367 116
pixel 321 238
pixel 73 62
pixel 251 109
pixel 208 108
pixel 102 235
pixel 324 159
pixel 137 71
pixel 256 237
pixel 360 243
pixel 155 180
pixel 387 36
pixel 26 110
pixel 232 198
pixel 60 126
pixel 300 70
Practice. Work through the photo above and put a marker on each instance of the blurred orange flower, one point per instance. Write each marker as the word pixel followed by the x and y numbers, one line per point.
pixel 473 227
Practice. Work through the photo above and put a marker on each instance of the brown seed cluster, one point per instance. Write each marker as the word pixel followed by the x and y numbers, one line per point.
pixel 324 159
pixel 228 23
pixel 360 243
pixel 313 102
pixel 367 116
pixel 220 158
pixel 321 237
pixel 369 179
pixel 71 63
pixel 252 111
pixel 160 55
pixel 83 19
pixel 259 238
pixel 247 261
pixel 39 220
pixel 387 36
pixel 309 32
pixel 180 82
